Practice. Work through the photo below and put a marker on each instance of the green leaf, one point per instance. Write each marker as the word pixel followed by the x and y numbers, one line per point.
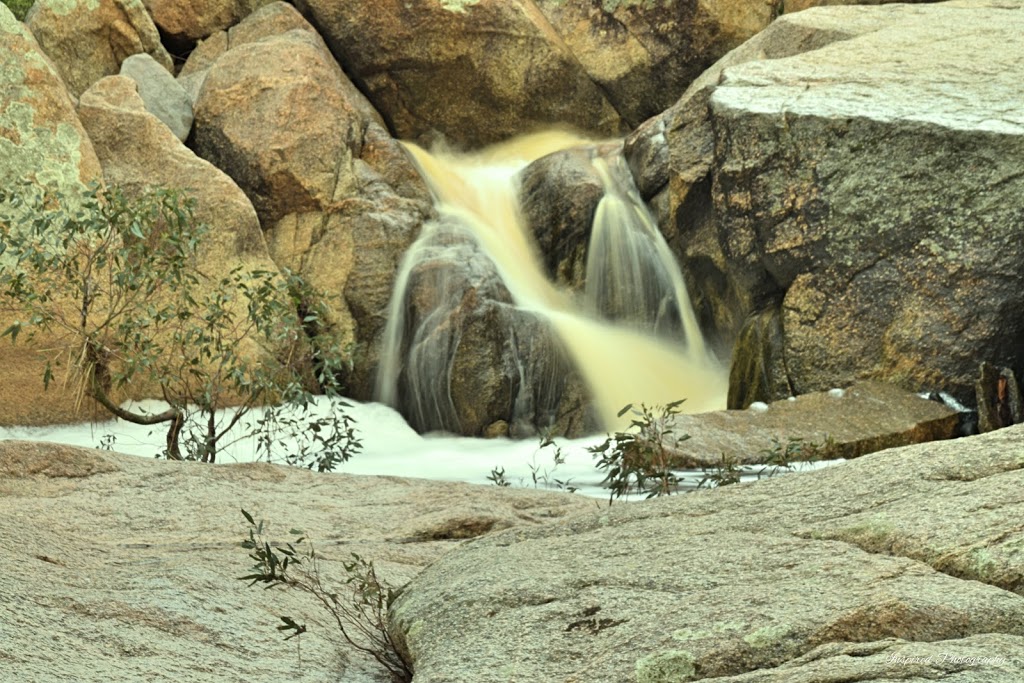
pixel 13 331
pixel 625 409
pixel 248 517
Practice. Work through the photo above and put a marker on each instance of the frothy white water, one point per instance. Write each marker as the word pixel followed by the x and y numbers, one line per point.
pixel 390 447
pixel 637 341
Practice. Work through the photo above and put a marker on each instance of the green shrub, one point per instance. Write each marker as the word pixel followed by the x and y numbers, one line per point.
pixel 640 460
pixel 114 286
pixel 359 606
pixel 19 7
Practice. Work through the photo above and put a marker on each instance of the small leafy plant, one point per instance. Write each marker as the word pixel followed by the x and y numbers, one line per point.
pixel 115 287
pixel 359 607
pixel 724 473
pixel 542 476
pixel 497 477
pixel 639 460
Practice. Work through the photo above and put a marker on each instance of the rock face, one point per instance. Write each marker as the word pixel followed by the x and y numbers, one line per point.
pixel 88 39
pixel 144 586
pixel 883 568
pixel 479 71
pixel 874 201
pixel 643 55
pixel 476 72
pixel 41 140
pixel 336 197
pixel 137 151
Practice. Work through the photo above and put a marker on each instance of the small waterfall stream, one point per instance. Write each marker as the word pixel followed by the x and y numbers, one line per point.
pixel 632 335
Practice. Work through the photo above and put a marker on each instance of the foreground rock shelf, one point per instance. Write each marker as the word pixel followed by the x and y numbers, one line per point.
pixel 118 568
pixel 902 565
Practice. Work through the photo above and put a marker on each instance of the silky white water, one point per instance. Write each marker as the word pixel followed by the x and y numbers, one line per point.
pixel 633 338
pixel 390 447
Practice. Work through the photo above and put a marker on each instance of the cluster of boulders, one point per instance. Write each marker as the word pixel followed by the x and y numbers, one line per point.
pixel 841 189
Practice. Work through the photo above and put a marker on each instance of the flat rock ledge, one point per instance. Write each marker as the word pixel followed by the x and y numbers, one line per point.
pixel 825 425
pixel 903 565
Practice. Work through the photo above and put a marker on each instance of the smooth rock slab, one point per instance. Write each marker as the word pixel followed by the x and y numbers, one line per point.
pixel 840 423
pixel 118 568
pixel 761 582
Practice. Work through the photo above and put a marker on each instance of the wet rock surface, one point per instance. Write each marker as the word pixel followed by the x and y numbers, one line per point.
pixel 839 423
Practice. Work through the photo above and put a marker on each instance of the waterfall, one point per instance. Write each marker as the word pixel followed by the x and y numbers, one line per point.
pixel 633 338
pixel 632 275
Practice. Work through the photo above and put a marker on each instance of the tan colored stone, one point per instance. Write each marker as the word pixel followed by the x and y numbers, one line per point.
pixel 88 39
pixel 41 141
pixel 645 54
pixel 197 19
pixel 137 151
pixel 337 198
pixel 473 72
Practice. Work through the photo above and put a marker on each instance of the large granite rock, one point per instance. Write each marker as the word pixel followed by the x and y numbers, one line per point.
pixel 337 198
pixel 41 141
pixel 851 169
pixel 479 71
pixel 140 587
pixel 138 152
pixel 88 39
pixel 475 72
pixel 643 55
pixel 902 565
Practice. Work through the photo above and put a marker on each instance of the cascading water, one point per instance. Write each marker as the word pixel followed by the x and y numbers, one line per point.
pixel 632 276
pixel 633 339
